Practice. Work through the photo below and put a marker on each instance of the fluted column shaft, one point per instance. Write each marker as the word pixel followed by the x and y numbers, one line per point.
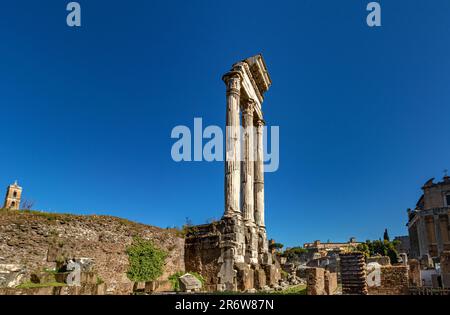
pixel 232 159
pixel 248 162
pixel 259 174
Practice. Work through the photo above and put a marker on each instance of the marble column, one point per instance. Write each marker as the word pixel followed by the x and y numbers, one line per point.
pixel 259 174
pixel 437 227
pixel 247 165
pixel 232 159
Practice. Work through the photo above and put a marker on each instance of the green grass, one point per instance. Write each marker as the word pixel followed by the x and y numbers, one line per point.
pixel 296 290
pixel 50 271
pixel 31 285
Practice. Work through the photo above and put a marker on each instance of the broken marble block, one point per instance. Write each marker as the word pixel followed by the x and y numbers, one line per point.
pixel 86 264
pixel 189 283
pixel 11 275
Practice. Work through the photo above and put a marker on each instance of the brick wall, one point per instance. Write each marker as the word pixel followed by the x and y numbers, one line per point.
pixel 394 281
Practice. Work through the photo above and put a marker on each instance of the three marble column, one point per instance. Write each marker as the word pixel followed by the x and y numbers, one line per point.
pixel 244 177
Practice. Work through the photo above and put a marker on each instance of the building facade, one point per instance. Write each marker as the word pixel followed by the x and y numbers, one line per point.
pixel 318 246
pixel 428 224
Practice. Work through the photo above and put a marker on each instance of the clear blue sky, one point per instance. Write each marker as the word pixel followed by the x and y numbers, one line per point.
pixel 363 113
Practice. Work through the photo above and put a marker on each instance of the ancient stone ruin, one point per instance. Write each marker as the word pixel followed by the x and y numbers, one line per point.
pixel 353 273
pixel 321 281
pixel 232 254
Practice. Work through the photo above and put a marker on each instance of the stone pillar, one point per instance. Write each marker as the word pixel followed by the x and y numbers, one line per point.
pixel 248 163
pixel 259 174
pixel 353 273
pixel 437 227
pixel 422 235
pixel 232 159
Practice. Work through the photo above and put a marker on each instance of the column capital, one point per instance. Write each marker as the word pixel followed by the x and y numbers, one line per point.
pixel 233 81
pixel 259 122
pixel 248 107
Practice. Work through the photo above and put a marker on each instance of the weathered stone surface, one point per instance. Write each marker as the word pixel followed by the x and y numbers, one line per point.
pixel 315 281
pixel 353 273
pixel 382 260
pixel 86 289
pixel 331 283
pixel 260 279
pixel 36 240
pixel 415 278
pixel 86 264
pixel 445 268
pixel 246 276
pixel 189 283
pixel 158 286
pixel 11 275
pixel 393 281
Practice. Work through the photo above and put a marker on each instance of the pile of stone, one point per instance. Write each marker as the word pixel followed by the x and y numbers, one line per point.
pixel 290 277
pixel 353 273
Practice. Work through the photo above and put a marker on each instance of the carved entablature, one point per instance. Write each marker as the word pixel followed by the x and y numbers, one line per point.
pixel 259 72
pixel 255 80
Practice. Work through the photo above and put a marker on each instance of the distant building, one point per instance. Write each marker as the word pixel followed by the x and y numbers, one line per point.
pixel 428 223
pixel 12 198
pixel 329 246
pixel 403 244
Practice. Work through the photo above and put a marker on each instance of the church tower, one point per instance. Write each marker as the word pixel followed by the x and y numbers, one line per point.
pixel 13 195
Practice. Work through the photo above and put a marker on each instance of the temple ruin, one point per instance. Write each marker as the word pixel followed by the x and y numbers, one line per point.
pixel 232 254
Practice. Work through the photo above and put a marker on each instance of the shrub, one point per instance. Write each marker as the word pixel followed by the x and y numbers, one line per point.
pixel 146 261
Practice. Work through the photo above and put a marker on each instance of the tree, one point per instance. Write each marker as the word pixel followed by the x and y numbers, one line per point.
pixel 386 235
pixel 276 246
pixel 378 247
pixel 294 252
pixel 27 205
pixel 146 261
pixel 364 248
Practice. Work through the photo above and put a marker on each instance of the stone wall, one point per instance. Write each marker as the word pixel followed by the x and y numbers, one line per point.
pixel 219 252
pixel 315 278
pixel 202 253
pixel 415 278
pixel 445 268
pixel 394 281
pixel 31 238
pixel 331 283
pixel 320 282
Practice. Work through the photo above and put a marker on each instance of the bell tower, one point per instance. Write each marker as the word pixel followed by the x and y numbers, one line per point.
pixel 13 195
